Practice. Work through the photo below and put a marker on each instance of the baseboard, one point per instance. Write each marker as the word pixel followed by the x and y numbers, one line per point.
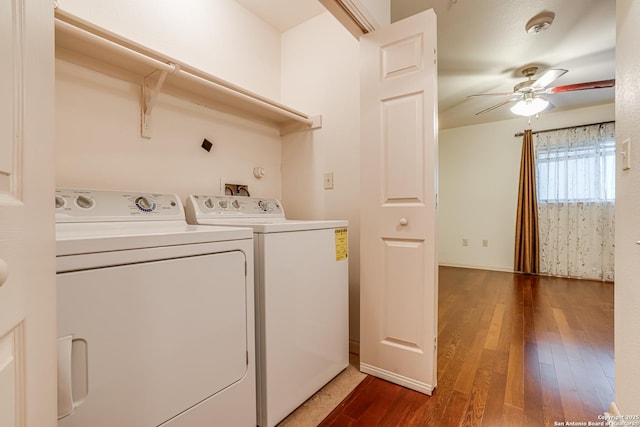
pixel 354 346
pixel 614 417
pixel 397 379
pixel 478 267
pixel 614 411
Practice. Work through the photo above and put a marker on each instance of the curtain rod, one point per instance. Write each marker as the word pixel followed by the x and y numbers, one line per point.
pixel 569 127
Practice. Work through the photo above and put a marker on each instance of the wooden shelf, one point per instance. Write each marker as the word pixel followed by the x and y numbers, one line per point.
pixel 82 43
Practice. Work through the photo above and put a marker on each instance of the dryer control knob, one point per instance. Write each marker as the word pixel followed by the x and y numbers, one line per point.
pixel 235 204
pixel 60 202
pixel 210 203
pixel 223 204
pixel 85 202
pixel 264 205
pixel 145 204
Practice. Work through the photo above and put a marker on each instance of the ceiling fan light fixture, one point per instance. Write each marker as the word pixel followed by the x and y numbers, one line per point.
pixel 540 22
pixel 529 107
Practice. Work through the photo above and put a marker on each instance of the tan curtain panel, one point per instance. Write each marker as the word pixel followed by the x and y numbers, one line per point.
pixel 527 245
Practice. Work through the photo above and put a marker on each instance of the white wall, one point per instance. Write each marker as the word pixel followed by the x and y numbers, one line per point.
pixel 479 173
pixel 320 74
pixel 217 36
pixel 97 134
pixel 98 141
pixel 627 291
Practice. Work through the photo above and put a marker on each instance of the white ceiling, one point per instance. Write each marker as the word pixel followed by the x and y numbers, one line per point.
pixel 483 46
pixel 284 14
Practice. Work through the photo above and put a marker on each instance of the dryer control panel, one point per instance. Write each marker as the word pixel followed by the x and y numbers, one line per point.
pixel 234 206
pixel 80 205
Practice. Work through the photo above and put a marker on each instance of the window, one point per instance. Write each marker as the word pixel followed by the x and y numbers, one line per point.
pixel 575 185
pixel 576 164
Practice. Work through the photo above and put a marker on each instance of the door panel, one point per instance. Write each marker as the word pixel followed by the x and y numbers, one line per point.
pixel 404 311
pixel 7 84
pixel 404 163
pixel 399 281
pixel 27 298
pixel 402 56
pixel 10 370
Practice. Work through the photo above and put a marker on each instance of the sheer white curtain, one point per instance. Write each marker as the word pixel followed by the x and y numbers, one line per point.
pixel 575 174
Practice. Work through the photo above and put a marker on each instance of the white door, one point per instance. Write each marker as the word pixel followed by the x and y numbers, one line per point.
pixel 399 276
pixel 27 241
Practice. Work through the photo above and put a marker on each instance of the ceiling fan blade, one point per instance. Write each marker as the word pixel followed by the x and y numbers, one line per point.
pixel 582 86
pixel 548 77
pixel 550 104
pixel 490 94
pixel 493 107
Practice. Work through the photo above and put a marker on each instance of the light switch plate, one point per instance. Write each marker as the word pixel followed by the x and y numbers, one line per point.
pixel 328 181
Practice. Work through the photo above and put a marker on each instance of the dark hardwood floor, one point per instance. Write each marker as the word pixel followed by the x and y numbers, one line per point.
pixel 514 350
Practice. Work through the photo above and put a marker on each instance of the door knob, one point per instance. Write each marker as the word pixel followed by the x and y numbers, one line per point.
pixel 4 271
pixel 403 221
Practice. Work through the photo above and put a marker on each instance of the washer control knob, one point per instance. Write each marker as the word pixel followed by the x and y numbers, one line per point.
pixel 235 204
pixel 60 202
pixel 210 203
pixel 264 205
pixel 403 221
pixel 85 202
pixel 4 271
pixel 223 204
pixel 145 204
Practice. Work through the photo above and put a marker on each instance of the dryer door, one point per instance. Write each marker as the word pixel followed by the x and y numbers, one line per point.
pixel 150 340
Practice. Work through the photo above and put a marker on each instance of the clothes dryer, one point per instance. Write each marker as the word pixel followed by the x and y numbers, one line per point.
pixel 301 277
pixel 155 317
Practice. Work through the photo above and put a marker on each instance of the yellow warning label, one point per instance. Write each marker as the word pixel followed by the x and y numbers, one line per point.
pixel 342 244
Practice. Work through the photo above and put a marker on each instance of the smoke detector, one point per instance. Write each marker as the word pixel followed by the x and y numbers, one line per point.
pixel 540 22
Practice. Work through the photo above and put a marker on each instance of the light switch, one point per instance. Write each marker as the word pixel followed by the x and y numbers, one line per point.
pixel 626 154
pixel 328 181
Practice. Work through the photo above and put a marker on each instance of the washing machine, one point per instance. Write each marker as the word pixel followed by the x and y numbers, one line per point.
pixel 155 316
pixel 301 278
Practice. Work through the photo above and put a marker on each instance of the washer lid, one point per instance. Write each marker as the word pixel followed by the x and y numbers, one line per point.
pixel 81 238
pixel 275 225
pixel 262 215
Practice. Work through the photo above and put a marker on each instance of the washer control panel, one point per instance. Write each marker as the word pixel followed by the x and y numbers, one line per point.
pixel 236 206
pixel 78 205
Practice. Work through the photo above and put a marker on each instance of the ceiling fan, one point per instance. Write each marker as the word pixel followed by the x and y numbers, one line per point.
pixel 529 92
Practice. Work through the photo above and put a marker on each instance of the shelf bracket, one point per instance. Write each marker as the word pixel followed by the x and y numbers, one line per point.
pixel 314 122
pixel 151 88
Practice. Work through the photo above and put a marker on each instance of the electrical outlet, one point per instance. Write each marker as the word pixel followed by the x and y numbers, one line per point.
pixel 328 181
pixel 485 243
pixel 465 242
